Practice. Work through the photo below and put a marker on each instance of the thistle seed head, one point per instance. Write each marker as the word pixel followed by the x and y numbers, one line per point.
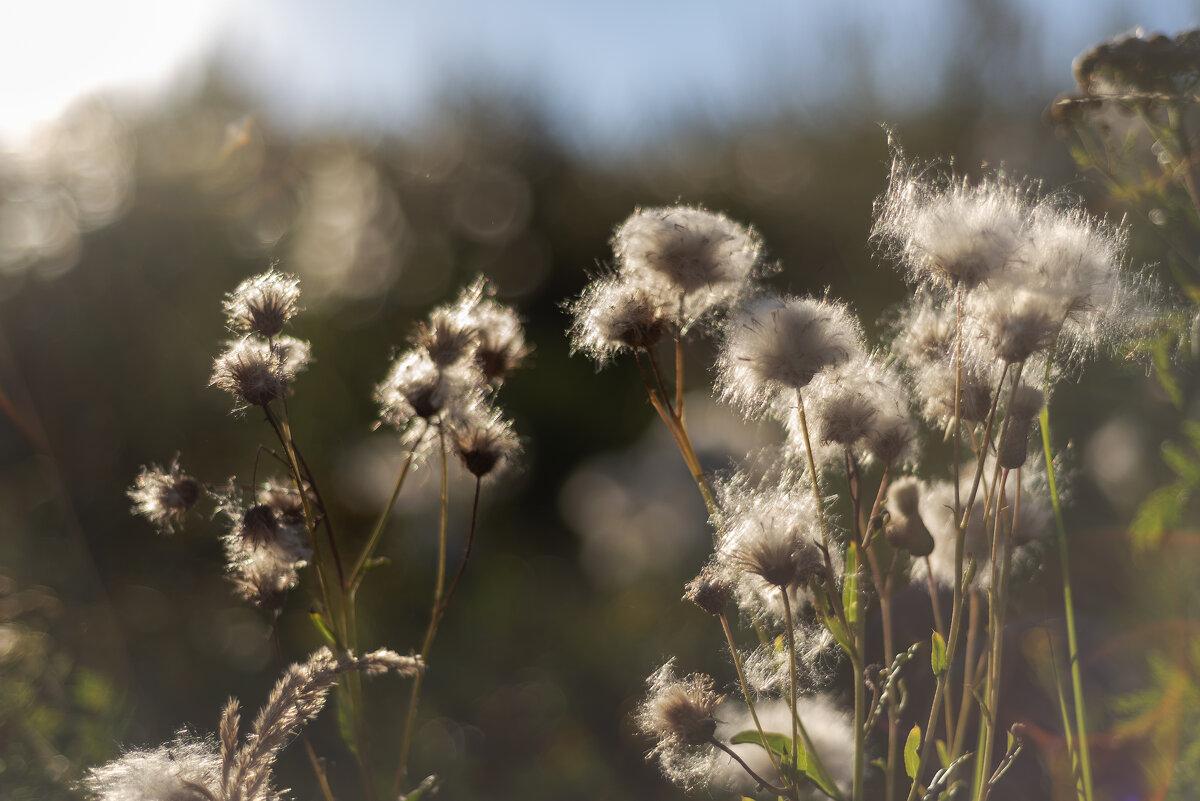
pixel 710 590
pixel 774 346
pixel 697 261
pixel 262 305
pixel 484 440
pixel 164 495
pixel 255 372
pixel 678 713
pixel 950 234
pixel 612 316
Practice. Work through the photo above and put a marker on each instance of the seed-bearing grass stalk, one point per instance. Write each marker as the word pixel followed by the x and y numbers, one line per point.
pixel 1085 764
pixel 410 717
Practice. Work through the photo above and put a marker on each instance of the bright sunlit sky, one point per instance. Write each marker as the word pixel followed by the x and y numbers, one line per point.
pixel 609 72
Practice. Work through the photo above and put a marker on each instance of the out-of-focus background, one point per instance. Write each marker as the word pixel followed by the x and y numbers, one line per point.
pixel 154 154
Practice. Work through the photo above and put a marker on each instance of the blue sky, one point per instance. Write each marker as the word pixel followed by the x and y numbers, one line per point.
pixel 609 72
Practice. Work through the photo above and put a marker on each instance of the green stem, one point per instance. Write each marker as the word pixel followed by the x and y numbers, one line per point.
pixel 1069 610
pixel 798 725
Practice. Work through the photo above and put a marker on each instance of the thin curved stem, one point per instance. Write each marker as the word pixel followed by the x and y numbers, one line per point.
pixel 380 524
pixel 410 718
pixel 462 565
pixel 741 674
pixel 761 781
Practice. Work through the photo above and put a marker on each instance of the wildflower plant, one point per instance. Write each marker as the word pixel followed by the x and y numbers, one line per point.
pixel 1010 289
pixel 439 397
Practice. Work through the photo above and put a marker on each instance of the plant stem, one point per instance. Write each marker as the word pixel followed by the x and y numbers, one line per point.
pixel 1068 609
pixel 380 524
pixel 741 674
pixel 462 565
pixel 761 781
pixel 797 725
pixel 410 718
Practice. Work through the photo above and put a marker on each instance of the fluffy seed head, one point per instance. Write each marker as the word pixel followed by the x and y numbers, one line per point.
pixel 446 336
pixel 187 769
pixel 697 260
pixel 500 345
pixel 710 590
pixel 262 305
pixel 255 372
pixel 774 346
pixel 859 405
pixel 612 316
pixel 164 496
pixel 771 542
pixel 417 387
pixel 950 234
pixel 484 440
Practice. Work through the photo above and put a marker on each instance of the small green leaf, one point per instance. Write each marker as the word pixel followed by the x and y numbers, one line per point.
pixel 839 634
pixel 943 754
pixel 912 762
pixel 850 588
pixel 324 631
pixel 779 743
pixel 937 655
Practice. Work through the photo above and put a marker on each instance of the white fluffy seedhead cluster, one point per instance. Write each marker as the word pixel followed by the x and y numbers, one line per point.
pixel 679 715
pixel 262 305
pixel 950 234
pixel 696 260
pixel 259 367
pixel 256 371
pixel 164 495
pixel 227 769
pixel 771 543
pixel 774 346
pixel 675 266
pixel 266 545
pixel 1035 276
pixel 449 378
pixel 860 406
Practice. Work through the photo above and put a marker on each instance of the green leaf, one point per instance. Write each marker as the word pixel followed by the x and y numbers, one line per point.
pixel 1161 511
pixel 937 655
pixel 943 754
pixel 912 762
pixel 840 634
pixel 326 634
pixel 781 744
pixel 850 587
pixel 1183 463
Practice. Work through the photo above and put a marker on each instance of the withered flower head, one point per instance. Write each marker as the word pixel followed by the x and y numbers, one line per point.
pixel 263 304
pixel 164 496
